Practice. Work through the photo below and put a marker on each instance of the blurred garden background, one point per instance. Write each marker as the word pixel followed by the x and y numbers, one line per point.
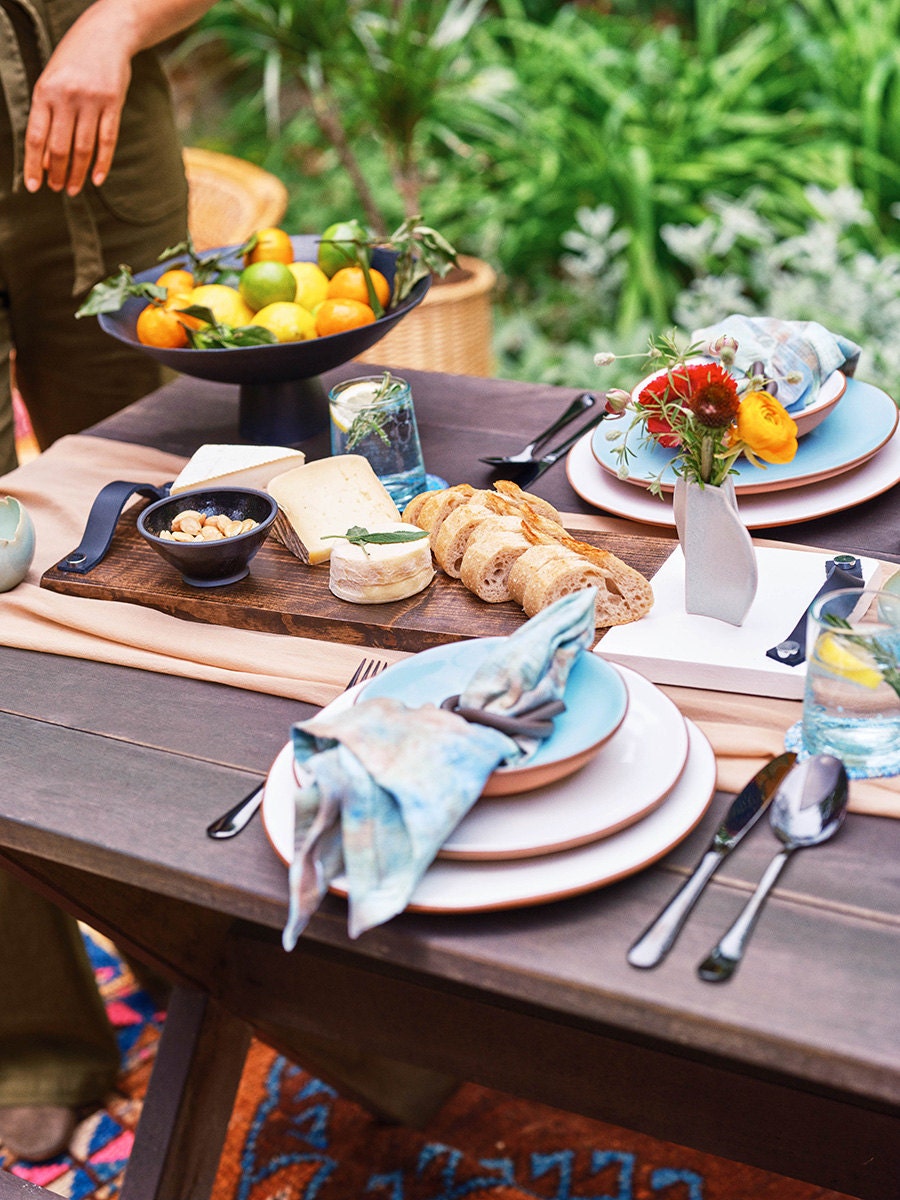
pixel 626 167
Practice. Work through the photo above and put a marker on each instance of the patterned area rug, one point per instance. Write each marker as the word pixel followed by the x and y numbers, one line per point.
pixel 293 1138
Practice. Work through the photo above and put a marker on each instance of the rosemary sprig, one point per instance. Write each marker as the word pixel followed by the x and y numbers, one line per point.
pixel 372 421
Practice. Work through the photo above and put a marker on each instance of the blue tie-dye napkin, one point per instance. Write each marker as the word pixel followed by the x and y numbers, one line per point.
pixel 383 785
pixel 783 347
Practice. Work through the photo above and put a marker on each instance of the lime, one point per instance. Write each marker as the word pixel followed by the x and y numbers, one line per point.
pixel 226 303
pixel 265 283
pixel 338 246
pixel 854 664
pixel 289 322
pixel 312 283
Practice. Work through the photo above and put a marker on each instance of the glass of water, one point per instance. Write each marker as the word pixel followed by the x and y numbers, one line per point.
pixel 374 416
pixel 851 706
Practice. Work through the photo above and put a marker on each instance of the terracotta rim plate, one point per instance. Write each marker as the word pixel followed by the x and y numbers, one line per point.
pixel 854 432
pixel 762 511
pixel 596 699
pixel 456 887
pixel 462 887
pixel 620 786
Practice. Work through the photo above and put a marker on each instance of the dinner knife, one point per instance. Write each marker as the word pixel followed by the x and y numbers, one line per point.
pixel 746 809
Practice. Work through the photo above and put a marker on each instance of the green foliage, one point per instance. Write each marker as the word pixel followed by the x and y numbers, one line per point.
pixel 518 125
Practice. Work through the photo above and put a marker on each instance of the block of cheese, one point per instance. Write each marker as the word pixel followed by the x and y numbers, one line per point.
pixel 328 497
pixel 236 466
pixel 374 573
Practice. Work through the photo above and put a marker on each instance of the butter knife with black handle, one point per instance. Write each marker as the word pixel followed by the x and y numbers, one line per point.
pixel 746 809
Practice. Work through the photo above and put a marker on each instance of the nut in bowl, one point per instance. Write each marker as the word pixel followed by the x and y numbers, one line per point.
pixel 237 522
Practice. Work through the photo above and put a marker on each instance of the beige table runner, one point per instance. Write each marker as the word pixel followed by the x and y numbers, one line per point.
pixel 58 488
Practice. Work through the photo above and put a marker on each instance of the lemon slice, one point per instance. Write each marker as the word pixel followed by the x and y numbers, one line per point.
pixel 855 665
pixel 353 400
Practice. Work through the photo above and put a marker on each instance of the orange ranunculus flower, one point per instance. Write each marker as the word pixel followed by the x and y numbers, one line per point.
pixel 766 429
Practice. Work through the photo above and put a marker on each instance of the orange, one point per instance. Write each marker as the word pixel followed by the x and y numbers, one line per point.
pixel 337 315
pixel 349 283
pixel 177 282
pixel 272 245
pixel 159 326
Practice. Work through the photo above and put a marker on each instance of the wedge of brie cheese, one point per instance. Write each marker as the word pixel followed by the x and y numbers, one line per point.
pixel 375 573
pixel 235 466
pixel 326 498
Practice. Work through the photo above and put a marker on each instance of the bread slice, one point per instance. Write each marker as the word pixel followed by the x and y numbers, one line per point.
pixel 488 559
pixel 623 594
pixel 512 492
pixel 414 507
pixel 529 564
pixel 455 532
pixel 440 504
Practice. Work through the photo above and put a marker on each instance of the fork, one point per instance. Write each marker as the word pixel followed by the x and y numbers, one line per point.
pixel 241 814
pixel 525 456
pixel 534 469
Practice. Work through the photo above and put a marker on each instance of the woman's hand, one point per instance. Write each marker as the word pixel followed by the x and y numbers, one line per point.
pixel 77 101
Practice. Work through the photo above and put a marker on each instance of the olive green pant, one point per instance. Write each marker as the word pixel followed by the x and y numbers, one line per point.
pixel 56 1045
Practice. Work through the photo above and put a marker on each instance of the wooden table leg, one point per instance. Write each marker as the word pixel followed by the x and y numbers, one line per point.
pixel 189 1101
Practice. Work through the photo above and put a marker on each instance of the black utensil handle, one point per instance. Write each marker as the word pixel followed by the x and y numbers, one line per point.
pixel 102 520
pixel 579 405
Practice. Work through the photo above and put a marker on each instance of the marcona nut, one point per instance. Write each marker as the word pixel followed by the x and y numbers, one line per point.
pixel 192 526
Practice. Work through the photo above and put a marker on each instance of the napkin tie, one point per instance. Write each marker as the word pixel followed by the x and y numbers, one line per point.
pixel 843 571
pixel 382 785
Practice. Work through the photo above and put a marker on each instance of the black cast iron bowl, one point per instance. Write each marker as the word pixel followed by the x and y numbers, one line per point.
pixel 215 563
pixel 282 400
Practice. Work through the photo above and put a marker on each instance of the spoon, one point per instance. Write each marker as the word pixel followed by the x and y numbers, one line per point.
pixel 808 808
pixel 579 405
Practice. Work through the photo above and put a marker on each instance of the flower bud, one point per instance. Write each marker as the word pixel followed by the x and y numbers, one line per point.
pixel 617 400
pixel 604 358
pixel 793 377
pixel 723 348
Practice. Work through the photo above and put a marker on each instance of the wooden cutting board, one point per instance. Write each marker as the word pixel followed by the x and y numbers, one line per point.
pixel 281 595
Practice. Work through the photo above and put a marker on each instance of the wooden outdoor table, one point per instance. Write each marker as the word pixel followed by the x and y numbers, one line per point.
pixel 111 776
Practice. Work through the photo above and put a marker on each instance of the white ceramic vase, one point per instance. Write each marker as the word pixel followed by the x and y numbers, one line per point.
pixel 720 572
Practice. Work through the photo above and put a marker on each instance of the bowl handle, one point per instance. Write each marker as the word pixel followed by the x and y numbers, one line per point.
pixel 102 520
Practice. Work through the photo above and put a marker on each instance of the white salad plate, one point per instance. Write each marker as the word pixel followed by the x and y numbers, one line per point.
pixel 618 787
pixel 759 511
pixel 468 887
pixel 864 421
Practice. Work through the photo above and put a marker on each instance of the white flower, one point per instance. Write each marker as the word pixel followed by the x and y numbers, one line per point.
pixel 604 358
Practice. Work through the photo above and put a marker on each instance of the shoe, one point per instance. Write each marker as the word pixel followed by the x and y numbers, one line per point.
pixel 36 1132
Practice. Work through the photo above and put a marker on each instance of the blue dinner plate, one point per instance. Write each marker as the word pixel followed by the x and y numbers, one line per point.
pixel 863 421
pixel 596 702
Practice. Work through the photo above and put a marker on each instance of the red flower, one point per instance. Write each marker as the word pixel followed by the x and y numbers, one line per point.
pixel 707 390
pixel 712 396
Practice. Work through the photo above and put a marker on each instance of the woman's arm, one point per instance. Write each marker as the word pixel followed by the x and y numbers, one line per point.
pixel 78 98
